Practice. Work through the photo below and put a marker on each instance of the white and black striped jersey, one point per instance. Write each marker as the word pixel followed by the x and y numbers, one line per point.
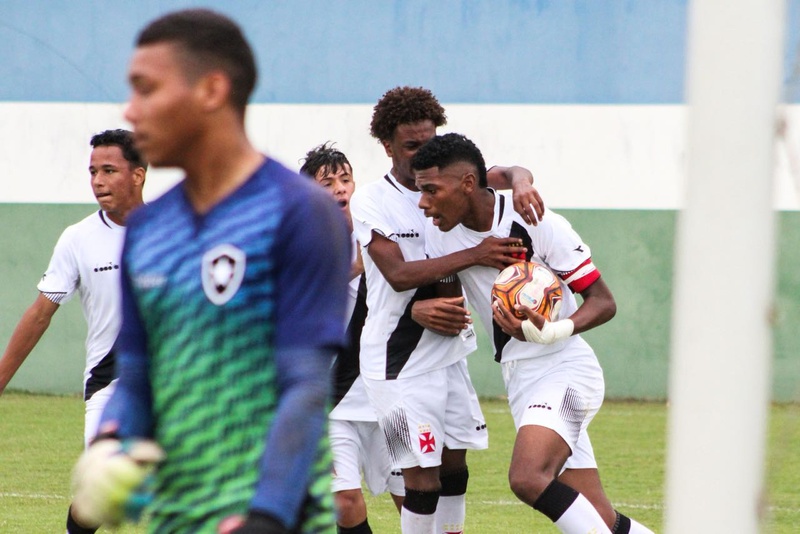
pixel 350 402
pixel 392 344
pixel 86 260
pixel 552 242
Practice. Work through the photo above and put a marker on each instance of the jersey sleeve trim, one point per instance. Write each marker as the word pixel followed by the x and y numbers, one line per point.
pixel 582 276
pixel 54 296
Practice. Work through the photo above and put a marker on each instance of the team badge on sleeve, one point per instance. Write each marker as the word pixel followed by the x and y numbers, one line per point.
pixel 222 272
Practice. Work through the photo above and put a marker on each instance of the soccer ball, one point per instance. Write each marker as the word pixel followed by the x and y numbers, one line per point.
pixel 530 284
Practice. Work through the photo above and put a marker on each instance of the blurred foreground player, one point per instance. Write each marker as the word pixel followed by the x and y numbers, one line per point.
pixel 86 261
pixel 554 382
pixel 356 439
pixel 234 289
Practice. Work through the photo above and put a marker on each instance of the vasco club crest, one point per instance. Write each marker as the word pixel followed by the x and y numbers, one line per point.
pixel 222 272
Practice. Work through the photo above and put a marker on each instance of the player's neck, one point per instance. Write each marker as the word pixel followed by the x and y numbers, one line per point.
pixel 217 168
pixel 408 183
pixel 118 217
pixel 480 216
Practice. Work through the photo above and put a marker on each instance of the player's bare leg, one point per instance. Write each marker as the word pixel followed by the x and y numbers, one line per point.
pixel 539 453
pixel 351 511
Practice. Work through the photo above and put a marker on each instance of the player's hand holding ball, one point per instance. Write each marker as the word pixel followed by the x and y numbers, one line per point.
pixel 109 480
pixel 535 328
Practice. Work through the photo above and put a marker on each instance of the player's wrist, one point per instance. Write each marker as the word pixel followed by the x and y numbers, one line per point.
pixel 258 522
pixel 551 332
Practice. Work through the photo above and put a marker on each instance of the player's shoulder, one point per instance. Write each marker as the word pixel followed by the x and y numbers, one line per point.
pixel 155 208
pixel 508 214
pixel 293 187
pixel 379 196
pixel 88 225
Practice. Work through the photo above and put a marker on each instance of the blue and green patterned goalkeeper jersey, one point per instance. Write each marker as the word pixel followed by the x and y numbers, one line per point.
pixel 208 303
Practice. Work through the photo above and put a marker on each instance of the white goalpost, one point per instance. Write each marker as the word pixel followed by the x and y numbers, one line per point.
pixel 719 383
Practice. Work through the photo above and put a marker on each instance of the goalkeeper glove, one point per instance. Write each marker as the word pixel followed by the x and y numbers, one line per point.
pixel 110 480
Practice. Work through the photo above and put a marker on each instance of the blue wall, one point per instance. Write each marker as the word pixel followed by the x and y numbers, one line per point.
pixel 546 51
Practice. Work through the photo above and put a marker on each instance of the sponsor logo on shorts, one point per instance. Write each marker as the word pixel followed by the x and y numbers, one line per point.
pixel 427 443
pixel 543 406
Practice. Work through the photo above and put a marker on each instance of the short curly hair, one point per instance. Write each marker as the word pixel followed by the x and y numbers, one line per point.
pixel 445 150
pixel 404 105
pixel 124 140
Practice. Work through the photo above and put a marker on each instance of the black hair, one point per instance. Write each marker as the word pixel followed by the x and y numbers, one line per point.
pixel 324 156
pixel 124 140
pixel 210 41
pixel 404 105
pixel 444 150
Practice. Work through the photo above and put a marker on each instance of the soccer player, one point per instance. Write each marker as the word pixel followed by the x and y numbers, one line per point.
pixel 416 378
pixel 86 261
pixel 553 379
pixel 356 440
pixel 234 285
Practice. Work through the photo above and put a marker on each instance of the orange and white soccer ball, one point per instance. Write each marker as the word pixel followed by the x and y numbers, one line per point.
pixel 530 284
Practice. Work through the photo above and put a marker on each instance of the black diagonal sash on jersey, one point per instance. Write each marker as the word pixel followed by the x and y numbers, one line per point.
pixel 406 335
pixel 100 376
pixel 347 361
pixel 517 230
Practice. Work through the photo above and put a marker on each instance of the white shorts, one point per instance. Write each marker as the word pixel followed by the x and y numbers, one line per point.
pixel 422 414
pixel 359 448
pixel 94 410
pixel 562 391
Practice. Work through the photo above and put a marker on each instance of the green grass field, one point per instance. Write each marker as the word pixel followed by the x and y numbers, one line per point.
pixel 41 437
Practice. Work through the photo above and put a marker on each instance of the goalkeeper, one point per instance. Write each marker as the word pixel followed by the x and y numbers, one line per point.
pixel 233 295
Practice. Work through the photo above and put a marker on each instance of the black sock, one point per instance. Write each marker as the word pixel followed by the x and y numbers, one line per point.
pixel 74 528
pixel 361 528
pixel 555 499
pixel 421 502
pixel 622 525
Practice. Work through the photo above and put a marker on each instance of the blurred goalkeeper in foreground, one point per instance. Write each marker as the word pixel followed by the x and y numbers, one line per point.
pixel 234 289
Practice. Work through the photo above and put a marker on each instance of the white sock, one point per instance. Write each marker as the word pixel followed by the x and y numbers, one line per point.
pixel 450 514
pixel 412 523
pixel 638 528
pixel 581 518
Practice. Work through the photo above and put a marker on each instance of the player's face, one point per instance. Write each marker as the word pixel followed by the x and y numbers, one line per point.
pixel 405 143
pixel 445 195
pixel 114 184
pixel 163 106
pixel 338 183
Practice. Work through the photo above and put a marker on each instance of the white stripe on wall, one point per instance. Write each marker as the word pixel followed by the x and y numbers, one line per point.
pixel 583 156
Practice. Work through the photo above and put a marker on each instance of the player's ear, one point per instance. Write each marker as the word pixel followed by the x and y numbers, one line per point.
pixel 387 146
pixel 214 90
pixel 138 176
pixel 468 182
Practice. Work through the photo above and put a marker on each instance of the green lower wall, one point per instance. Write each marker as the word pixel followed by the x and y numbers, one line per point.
pixel 632 248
